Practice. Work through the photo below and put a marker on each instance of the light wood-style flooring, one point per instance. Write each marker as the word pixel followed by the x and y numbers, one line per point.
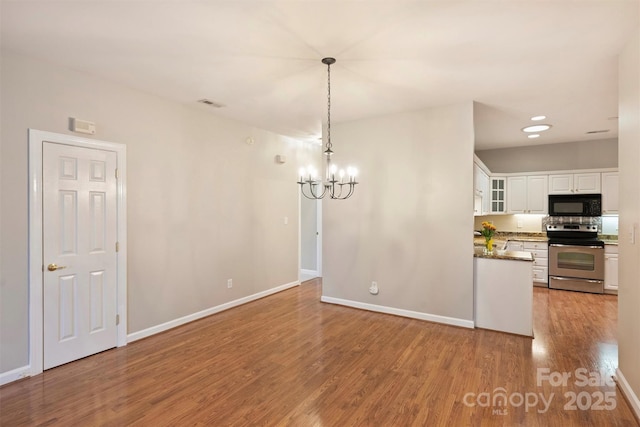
pixel 289 359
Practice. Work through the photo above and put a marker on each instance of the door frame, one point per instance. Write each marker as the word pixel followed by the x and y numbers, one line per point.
pixel 36 263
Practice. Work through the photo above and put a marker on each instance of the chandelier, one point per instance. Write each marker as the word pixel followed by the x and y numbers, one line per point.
pixel 336 185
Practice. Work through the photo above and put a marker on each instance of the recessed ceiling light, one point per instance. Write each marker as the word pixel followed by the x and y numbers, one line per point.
pixel 536 128
pixel 533 135
pixel 536 118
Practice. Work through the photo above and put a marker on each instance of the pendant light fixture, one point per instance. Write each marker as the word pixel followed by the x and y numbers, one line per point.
pixel 337 184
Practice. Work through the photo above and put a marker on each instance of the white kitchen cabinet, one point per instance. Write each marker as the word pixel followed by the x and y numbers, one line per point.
pixel 540 252
pixel 481 200
pixel 527 194
pixel 610 193
pixel 575 183
pixel 611 269
pixel 498 195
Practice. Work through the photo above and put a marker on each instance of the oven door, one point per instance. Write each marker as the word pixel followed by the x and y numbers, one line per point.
pixel 580 262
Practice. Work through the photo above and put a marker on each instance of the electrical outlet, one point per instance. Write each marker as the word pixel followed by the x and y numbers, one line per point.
pixel 229 283
pixel 373 289
pixel 520 225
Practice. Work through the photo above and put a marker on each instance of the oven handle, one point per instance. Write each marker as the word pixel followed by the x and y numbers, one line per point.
pixel 582 280
pixel 575 246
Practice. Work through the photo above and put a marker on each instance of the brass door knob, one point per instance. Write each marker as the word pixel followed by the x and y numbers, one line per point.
pixel 53 267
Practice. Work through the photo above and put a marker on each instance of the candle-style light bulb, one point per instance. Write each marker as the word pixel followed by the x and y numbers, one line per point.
pixel 332 172
pixel 302 172
pixel 341 175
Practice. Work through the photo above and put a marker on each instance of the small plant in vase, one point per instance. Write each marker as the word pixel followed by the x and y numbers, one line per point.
pixel 488 230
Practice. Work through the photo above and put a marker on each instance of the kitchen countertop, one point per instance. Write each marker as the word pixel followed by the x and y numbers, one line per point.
pixel 505 255
pixel 500 241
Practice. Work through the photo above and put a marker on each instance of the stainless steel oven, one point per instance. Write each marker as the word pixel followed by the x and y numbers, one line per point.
pixel 576 267
pixel 576 256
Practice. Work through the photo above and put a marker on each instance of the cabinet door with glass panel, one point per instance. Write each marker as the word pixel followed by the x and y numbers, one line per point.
pixel 498 194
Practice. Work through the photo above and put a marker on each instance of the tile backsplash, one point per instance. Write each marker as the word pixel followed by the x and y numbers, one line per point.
pixel 533 223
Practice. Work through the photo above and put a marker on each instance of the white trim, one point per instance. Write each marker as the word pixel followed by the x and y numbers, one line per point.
pixel 319 238
pixel 208 312
pixel 14 375
pixel 626 389
pixel 308 275
pixel 36 138
pixel 401 312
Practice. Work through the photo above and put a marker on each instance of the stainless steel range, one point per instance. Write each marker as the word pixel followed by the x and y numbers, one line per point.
pixel 576 256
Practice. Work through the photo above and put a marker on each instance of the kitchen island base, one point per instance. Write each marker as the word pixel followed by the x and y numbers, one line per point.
pixel 503 290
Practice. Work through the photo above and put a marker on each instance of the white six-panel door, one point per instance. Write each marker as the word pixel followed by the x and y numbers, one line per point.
pixel 79 252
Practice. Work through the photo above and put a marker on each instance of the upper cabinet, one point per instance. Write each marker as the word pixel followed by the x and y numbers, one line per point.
pixel 498 195
pixel 609 193
pixel 575 183
pixel 527 194
pixel 481 201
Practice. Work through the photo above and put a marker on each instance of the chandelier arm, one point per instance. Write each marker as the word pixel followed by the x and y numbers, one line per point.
pixel 304 194
pixel 313 193
pixel 339 192
pixel 352 186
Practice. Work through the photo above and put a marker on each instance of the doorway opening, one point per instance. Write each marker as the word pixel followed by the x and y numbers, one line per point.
pixel 310 239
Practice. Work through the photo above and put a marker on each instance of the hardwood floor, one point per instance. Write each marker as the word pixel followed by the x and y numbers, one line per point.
pixel 289 359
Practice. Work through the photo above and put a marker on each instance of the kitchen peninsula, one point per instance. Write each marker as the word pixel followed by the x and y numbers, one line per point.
pixel 503 286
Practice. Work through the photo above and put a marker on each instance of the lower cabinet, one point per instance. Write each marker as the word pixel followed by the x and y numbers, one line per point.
pixel 540 252
pixel 611 269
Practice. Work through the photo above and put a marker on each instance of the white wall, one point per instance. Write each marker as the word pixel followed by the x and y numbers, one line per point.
pixel 629 267
pixel 203 206
pixel 409 225
pixel 596 154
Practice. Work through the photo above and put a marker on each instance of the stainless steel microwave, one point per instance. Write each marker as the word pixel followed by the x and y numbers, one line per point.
pixel 575 204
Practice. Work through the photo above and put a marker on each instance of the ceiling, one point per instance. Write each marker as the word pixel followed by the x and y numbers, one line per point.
pixel 261 58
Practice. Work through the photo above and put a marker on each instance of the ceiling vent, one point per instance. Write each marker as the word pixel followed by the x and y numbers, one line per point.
pixel 210 103
pixel 598 131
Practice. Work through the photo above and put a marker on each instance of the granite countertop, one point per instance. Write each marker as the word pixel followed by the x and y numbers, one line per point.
pixel 506 255
pixel 501 239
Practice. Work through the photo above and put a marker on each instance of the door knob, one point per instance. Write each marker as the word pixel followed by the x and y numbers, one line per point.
pixel 53 267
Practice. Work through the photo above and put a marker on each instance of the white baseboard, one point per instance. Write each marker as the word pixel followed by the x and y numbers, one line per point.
pixel 628 393
pixel 208 312
pixel 14 375
pixel 401 312
pixel 308 274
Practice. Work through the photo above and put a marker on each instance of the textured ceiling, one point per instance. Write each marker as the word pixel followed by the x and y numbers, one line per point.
pixel 261 59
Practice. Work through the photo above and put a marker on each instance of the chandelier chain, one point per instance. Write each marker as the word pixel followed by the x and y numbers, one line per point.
pixel 329 106
pixel 336 185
